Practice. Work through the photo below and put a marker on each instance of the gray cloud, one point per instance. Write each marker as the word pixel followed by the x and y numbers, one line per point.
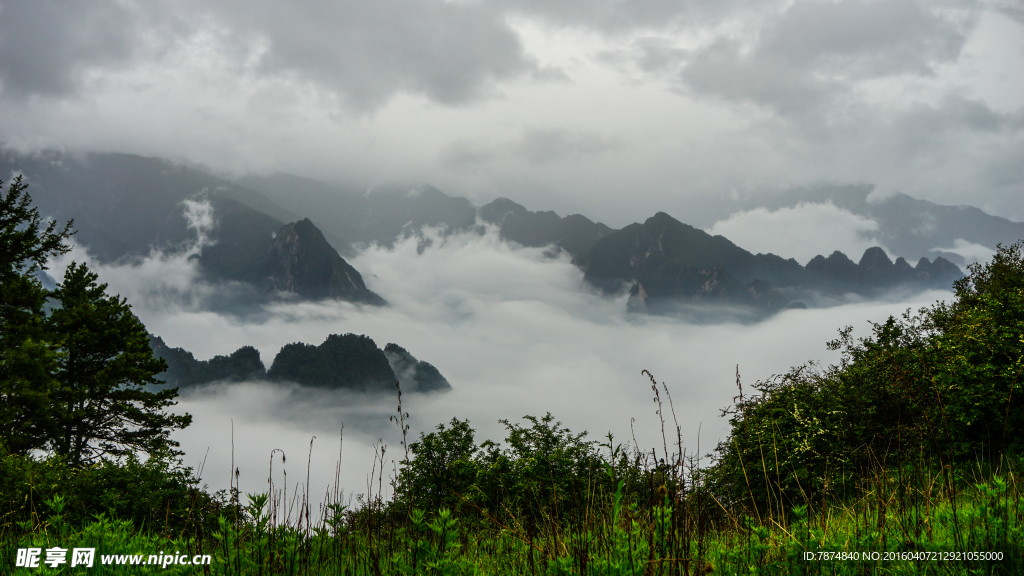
pixel 451 52
pixel 922 139
pixel 1003 171
pixel 554 145
pixel 863 38
pixel 617 17
pixel 535 146
pixel 46 46
pixel 814 51
pixel 676 103
pixel 370 50
pixel 952 116
pixel 1010 8
pixel 722 70
pixel 364 51
pixel 658 55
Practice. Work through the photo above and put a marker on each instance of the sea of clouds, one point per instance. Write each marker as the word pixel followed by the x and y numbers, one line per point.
pixel 515 330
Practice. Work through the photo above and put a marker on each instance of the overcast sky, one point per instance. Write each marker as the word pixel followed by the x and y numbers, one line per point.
pixel 608 108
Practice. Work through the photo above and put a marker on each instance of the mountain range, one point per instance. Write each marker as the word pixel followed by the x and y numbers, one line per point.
pixel 665 262
pixel 353 219
pixel 124 206
pixel 285 235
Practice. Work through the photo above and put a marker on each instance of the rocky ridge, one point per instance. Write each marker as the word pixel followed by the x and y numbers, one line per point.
pixel 342 362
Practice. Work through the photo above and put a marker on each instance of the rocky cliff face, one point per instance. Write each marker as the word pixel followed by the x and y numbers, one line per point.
pixel 414 375
pixel 671 262
pixel 300 261
pixel 294 259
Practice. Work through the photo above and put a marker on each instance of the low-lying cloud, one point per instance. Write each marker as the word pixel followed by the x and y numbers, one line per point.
pixel 785 231
pixel 514 330
pixel 969 251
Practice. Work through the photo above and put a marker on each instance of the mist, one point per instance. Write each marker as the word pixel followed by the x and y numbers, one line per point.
pixel 515 330
pixel 785 231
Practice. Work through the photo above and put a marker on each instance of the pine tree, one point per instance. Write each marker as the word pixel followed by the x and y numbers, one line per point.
pixel 101 404
pixel 27 357
pixel 74 380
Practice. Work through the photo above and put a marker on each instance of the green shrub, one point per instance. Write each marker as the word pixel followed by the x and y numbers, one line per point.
pixel 158 494
pixel 933 389
pixel 543 469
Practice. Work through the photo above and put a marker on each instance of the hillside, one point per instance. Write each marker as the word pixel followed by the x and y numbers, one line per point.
pixel 574 233
pixel 125 206
pixel 376 216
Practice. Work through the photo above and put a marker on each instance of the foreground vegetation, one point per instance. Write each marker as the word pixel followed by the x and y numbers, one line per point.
pixel 902 459
pixel 627 520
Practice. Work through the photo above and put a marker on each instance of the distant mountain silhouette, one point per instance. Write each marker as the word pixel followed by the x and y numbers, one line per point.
pixel 349 361
pixel 352 361
pixel 294 258
pixel 184 370
pixel 908 226
pixel 283 234
pixel 380 215
pixel 414 374
pixel 664 261
pixel 341 361
pixel 125 206
pixel 876 271
pixel 575 233
pixel 386 213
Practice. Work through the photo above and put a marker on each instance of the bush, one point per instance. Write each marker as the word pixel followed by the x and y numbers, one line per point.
pixel 443 468
pixel 943 386
pixel 544 469
pixel 158 494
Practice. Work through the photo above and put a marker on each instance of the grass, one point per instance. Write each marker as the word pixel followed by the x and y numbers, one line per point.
pixel 872 535
pixel 638 514
pixel 909 520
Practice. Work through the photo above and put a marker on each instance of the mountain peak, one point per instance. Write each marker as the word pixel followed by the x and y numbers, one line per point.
pixel 301 261
pixel 501 208
pixel 574 234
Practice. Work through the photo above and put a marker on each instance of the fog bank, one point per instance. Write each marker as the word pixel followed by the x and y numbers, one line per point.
pixel 515 331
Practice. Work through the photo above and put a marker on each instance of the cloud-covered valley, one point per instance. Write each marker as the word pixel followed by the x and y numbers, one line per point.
pixel 513 329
